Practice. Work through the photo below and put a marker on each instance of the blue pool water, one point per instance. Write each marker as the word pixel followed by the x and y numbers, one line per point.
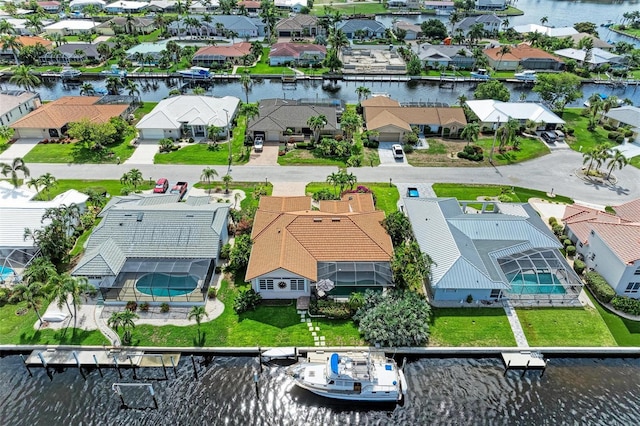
pixel 528 284
pixel 164 285
pixel 6 272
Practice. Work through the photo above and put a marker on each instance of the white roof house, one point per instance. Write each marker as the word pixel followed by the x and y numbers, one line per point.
pixel 126 6
pixel 626 115
pixel 188 114
pixel 70 26
pixel 542 29
pixel 598 56
pixel 79 4
pixel 490 111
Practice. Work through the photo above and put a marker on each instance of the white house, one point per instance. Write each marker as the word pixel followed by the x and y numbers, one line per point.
pixel 491 4
pixel 70 27
pixel 542 29
pixel 189 116
pixel 126 6
pixel 609 244
pixel 598 56
pixel 492 112
pixel 15 104
pixel 626 116
pixel 81 4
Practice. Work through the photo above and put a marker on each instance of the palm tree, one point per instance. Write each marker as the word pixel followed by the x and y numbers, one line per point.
pixel 470 132
pixel 197 313
pixel 245 81
pixel 462 99
pixel 6 133
pixel 17 165
pixel 34 183
pixel 590 156
pixel 316 124
pixel 132 87
pixel 616 160
pixel 22 76
pixel 132 177
pixel 7 27
pixel 250 111
pixel 48 181
pixel 31 292
pixel 362 92
pixel 227 181
pixel 11 42
pixel 208 174
pixel 113 85
pixel 504 49
pixel 87 89
pixel 40 269
pixel 35 23
pixel 544 20
pixel 123 319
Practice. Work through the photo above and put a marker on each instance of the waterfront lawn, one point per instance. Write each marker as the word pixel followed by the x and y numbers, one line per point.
pixel 18 329
pixel 386 196
pixel 144 110
pixel 635 162
pixel 565 327
pixel 112 187
pixel 624 331
pixel 470 327
pixel 529 149
pixel 583 139
pixel 352 8
pixel 475 191
pixel 263 67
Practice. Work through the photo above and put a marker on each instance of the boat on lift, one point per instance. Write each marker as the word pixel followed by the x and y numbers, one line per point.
pixel 480 74
pixel 69 72
pixel 526 76
pixel 196 73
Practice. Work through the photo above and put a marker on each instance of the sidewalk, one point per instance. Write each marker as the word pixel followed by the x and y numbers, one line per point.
pixel 19 148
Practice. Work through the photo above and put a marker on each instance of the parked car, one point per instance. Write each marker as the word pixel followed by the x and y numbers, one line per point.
pixel 179 188
pixel 549 137
pixel 559 135
pixel 258 144
pixel 161 187
pixel 398 153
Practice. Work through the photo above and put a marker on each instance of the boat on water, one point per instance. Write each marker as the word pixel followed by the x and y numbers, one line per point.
pixel 354 376
pixel 604 97
pixel 68 72
pixel 480 74
pixel 526 75
pixel 196 73
pixel 114 71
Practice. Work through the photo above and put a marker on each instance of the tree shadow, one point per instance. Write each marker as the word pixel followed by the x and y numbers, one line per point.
pixel 200 339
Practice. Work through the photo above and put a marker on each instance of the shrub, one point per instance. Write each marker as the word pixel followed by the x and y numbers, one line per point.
pixel 628 133
pixel 578 266
pixel 164 308
pixel 212 293
pixel 613 135
pixel 571 250
pixel 620 139
pixel 570 131
pixel 626 305
pixel 557 229
pixel 408 148
pixel 333 309
pixel 552 221
pixel 368 143
pixel 504 198
pixel 599 286
pixel 469 298
pixel 472 153
pixel 224 252
pixel 565 242
pixel 325 194
pixel 563 237
pixel 304 145
pixel 144 307
pixel 246 300
pixel 132 306
pixel 608 127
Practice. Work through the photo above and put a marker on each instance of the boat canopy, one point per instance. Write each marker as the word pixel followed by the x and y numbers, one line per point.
pixel 335 360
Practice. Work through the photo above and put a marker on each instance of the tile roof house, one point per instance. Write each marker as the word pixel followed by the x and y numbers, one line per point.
pixel 49 6
pixel 6 54
pixel 609 243
pixel 153 248
pixel 52 119
pixel 362 28
pixel 296 53
pixel 626 116
pixel 218 55
pixel 15 104
pixel 299 26
pixel 490 112
pixel 506 251
pixel 489 23
pixel 393 122
pixel 435 56
pixel 294 247
pixel 188 115
pixel 524 56
pixel 278 115
pixel 120 23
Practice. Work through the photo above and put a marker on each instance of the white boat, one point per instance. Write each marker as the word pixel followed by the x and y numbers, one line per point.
pixel 480 74
pixel 357 376
pixel 443 12
pixel 278 353
pixel 68 72
pixel 54 317
pixel 114 71
pixel 526 75
pixel 197 73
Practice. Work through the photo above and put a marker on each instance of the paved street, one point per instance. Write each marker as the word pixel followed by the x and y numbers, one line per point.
pixel 551 171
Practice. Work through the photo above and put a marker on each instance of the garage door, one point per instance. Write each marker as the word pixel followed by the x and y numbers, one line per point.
pixel 389 137
pixel 30 134
pixel 152 134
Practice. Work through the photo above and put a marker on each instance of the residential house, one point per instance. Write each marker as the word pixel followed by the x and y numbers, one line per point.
pixel 281 120
pixel 501 251
pixel 162 5
pixel 291 5
pixel 125 6
pixel 220 26
pixel 524 56
pixel 296 53
pixel 490 23
pixel 444 7
pixel 491 112
pixel 7 54
pixel 72 53
pixel 219 55
pixel 189 116
pixel 452 55
pixel 15 104
pixel 81 4
pixel 19 26
pixel 626 116
pixel 71 27
pixel 150 52
pixel 404 4
pixel 599 43
pixel 52 119
pixel 151 248
pixel 544 30
pixel 49 6
pixel 123 24
pixel 413 31
pixel 491 4
pixel 362 29
pixel 18 211
pixel 252 7
pixel 598 57
pixel 393 121
pixel 295 247
pixel 299 26
pixel 199 7
pixel 608 243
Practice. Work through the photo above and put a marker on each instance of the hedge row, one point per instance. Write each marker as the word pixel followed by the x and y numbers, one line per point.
pixel 599 286
pixel 626 304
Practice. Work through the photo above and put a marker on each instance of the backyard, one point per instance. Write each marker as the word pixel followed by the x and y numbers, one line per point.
pixel 470 327
pixel 386 196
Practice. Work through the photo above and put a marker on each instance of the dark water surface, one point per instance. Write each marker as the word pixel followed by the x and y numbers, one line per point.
pixel 441 391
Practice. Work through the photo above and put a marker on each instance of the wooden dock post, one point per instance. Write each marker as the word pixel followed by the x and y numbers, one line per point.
pixel 115 361
pixel 133 367
pixel 506 368
pixel 195 370
pixel 119 392
pixel 526 367
pixel 26 365
pixel 164 367
pixel 173 364
pixel 97 365
pixel 256 378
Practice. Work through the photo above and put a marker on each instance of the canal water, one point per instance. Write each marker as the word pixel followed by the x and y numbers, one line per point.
pixel 453 391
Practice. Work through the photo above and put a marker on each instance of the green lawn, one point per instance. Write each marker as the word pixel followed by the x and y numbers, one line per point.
pixel 624 331
pixel 635 162
pixel 266 326
pixel 352 8
pixel 113 187
pixel 76 153
pixel 305 157
pixel 386 196
pixel 199 153
pixel 249 202
pixel 583 139
pixel 470 327
pixel 18 329
pixel 473 191
pixel 529 149
pixel 565 327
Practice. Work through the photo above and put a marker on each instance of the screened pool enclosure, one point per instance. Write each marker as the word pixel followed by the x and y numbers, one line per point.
pixel 350 277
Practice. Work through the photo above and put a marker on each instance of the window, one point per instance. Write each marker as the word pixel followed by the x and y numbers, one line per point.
pixel 297 285
pixel 264 284
pixel 637 272
pixel 632 288
pixel 495 294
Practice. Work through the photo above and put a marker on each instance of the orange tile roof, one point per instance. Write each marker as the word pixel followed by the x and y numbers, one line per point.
pixel 380 101
pixel 622 239
pixel 350 203
pixel 237 50
pixel 629 211
pixel 519 52
pixel 377 117
pixel 296 241
pixel 285 204
pixel 33 40
pixel 579 219
pixel 56 114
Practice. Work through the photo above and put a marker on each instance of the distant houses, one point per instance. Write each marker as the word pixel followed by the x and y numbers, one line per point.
pixel 491 112
pixel 15 104
pixel 523 56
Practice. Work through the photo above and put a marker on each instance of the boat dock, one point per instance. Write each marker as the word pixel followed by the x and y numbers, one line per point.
pixel 524 360
pixel 101 358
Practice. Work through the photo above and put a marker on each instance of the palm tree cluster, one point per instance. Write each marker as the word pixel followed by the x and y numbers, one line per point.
pixel 132 178
pixel 341 179
pixel 125 320
pixel 601 154
pixel 17 165
pixel 47 181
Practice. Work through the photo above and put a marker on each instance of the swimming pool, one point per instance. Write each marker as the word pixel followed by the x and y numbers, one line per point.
pixel 6 272
pixel 165 285
pixel 528 284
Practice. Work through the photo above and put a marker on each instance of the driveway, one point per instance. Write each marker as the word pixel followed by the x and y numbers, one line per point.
pixel 144 153
pixel 386 155
pixel 19 148
pixel 268 156
pixel 629 149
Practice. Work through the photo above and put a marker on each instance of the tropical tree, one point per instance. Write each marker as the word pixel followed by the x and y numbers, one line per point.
pixel 618 160
pixel 133 177
pixel 132 89
pixel 558 89
pixel 12 43
pixel 462 100
pixel 31 292
pixel 398 227
pixel 22 76
pixel 362 92
pixel 544 20
pixel 245 81
pixel 226 179
pixel 470 132
pixel 492 89
pixel 47 182
pixel 7 27
pixel 34 22
pixel 17 165
pixel 40 269
pixel 124 319
pixel 504 49
pixel 197 313
pixel 250 111
pixel 350 123
pixel 208 175
pixel 316 123
pixel 269 16
pixel 87 89
pixel 341 179
pixel 6 133
pixel 113 85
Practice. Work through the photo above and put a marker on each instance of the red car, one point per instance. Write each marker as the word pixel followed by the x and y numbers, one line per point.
pixel 161 186
pixel 179 188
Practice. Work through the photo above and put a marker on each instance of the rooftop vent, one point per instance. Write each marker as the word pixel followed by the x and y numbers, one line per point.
pixel 317 219
pixel 140 216
pixel 335 219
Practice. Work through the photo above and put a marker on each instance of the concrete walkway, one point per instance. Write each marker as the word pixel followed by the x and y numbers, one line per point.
pixel 19 148
pixel 516 327
pixel 106 331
